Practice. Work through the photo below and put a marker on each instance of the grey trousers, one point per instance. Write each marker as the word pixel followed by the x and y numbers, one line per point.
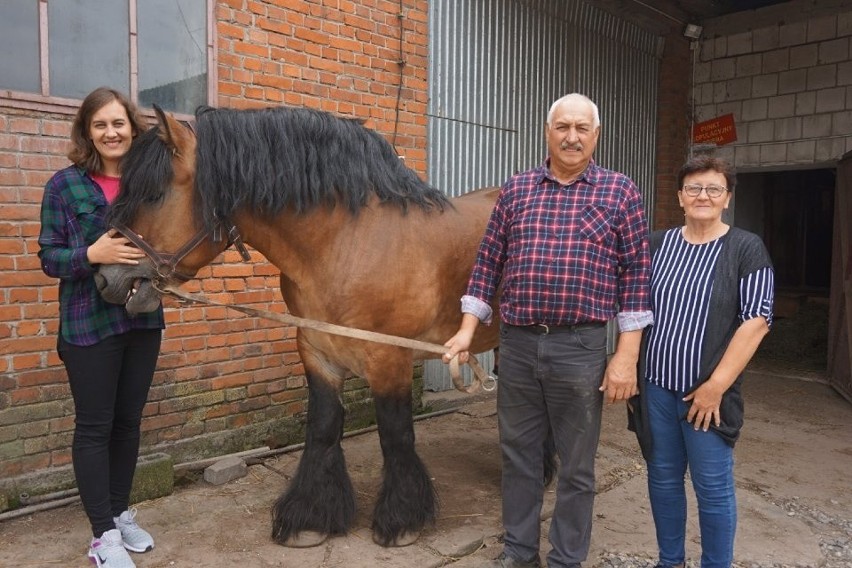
pixel 550 381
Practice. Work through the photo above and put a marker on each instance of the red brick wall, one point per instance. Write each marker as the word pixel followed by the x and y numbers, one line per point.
pixel 341 56
pixel 673 119
pixel 218 371
pixel 35 409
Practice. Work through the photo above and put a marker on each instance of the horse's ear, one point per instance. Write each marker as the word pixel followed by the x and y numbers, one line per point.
pixel 167 124
pixel 162 121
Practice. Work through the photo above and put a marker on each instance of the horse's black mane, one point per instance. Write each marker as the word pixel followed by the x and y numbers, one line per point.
pixel 147 169
pixel 274 159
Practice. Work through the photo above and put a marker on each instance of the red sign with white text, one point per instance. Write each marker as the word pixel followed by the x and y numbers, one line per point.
pixel 719 130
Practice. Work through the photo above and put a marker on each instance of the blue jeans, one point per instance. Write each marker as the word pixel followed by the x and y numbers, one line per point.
pixel 550 382
pixel 711 465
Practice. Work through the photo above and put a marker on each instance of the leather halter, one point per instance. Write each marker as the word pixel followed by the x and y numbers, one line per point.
pixel 166 263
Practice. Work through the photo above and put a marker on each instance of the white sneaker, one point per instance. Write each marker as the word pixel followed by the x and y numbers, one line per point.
pixel 108 551
pixel 135 538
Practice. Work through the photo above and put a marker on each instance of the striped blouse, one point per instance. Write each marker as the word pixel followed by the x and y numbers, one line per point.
pixel 681 284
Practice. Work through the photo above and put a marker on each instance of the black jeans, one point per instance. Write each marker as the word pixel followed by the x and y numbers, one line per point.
pixel 109 382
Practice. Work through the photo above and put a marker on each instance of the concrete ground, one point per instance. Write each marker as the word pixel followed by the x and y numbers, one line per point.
pixel 794 480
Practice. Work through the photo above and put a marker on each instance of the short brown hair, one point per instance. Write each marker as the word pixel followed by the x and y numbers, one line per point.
pixel 83 152
pixel 699 164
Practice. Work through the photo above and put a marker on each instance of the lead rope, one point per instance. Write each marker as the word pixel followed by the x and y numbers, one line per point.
pixel 481 379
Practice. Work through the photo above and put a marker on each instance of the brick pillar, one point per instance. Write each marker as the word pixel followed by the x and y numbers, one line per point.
pixel 673 119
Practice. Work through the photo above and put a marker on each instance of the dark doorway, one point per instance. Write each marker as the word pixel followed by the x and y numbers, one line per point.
pixel 797 211
pixel 793 211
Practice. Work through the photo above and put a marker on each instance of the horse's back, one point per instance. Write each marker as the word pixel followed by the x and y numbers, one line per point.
pixel 490 193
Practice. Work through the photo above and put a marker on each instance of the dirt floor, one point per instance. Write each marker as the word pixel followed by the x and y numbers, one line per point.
pixel 793 477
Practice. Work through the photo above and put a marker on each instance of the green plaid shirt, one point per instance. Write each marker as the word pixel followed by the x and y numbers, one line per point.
pixel 72 218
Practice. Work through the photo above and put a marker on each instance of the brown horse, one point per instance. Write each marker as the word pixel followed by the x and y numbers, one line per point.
pixel 360 241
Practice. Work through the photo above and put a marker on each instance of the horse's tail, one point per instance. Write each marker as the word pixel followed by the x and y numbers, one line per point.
pixel 549 458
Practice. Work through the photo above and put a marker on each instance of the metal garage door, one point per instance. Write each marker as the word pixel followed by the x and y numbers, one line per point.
pixel 495 66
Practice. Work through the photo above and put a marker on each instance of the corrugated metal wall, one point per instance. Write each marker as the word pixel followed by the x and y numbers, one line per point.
pixel 495 66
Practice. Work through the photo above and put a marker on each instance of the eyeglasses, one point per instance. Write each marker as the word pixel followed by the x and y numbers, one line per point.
pixel 694 190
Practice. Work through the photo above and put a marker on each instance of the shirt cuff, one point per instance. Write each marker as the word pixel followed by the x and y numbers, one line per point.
pixel 632 321
pixel 475 306
pixel 80 265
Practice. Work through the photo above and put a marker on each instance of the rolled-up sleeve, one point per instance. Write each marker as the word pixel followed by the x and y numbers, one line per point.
pixel 757 295
pixel 475 306
pixel 632 321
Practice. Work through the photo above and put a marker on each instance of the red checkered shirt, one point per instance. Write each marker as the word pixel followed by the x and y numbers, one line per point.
pixel 565 254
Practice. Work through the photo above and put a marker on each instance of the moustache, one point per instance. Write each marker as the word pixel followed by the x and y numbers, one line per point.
pixel 568 146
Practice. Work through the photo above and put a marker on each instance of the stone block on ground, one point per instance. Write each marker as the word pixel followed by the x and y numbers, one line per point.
pixel 225 470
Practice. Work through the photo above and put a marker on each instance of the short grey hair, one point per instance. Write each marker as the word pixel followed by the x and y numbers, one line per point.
pixel 575 97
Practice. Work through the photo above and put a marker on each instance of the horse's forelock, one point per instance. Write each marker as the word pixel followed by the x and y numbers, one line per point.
pixel 146 174
pixel 271 159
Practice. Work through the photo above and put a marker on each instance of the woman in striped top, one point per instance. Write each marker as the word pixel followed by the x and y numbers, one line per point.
pixel 712 290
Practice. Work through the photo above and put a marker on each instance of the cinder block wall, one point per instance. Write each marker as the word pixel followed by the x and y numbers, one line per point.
pixel 785 73
pixel 224 382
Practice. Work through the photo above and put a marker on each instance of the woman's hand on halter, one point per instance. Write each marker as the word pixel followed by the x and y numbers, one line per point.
pixel 112 249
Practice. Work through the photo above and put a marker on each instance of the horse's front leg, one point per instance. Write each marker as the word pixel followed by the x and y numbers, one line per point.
pixel 407 502
pixel 320 500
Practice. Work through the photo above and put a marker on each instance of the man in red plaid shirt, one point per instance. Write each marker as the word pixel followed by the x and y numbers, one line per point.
pixel 567 246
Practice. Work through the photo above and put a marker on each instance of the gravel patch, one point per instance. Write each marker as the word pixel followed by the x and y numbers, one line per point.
pixel 835 541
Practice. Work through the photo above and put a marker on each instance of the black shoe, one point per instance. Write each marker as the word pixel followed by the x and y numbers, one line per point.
pixel 506 561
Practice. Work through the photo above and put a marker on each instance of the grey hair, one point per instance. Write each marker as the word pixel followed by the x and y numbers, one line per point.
pixel 576 97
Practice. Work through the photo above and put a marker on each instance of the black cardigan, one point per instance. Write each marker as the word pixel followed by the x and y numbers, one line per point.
pixel 742 253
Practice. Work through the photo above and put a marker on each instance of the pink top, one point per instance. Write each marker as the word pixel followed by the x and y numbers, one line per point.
pixel 109 185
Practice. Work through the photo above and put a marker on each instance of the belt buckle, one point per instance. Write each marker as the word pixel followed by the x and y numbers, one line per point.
pixel 543 328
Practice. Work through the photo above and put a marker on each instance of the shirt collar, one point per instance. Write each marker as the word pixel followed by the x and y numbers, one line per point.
pixel 84 173
pixel 589 175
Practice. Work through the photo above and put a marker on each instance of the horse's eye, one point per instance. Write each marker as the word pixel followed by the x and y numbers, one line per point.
pixel 153 199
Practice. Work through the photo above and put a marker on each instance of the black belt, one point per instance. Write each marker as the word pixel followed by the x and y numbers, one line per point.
pixel 545 329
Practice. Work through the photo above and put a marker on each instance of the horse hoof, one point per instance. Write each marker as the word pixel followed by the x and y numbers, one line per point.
pixel 405 539
pixel 306 539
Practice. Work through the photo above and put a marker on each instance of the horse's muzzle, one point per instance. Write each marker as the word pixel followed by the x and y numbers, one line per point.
pixel 130 286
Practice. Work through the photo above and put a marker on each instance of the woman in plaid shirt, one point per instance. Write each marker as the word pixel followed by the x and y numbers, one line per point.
pixel 109 356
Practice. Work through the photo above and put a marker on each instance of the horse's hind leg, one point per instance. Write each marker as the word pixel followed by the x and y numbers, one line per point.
pixel 407 501
pixel 320 500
